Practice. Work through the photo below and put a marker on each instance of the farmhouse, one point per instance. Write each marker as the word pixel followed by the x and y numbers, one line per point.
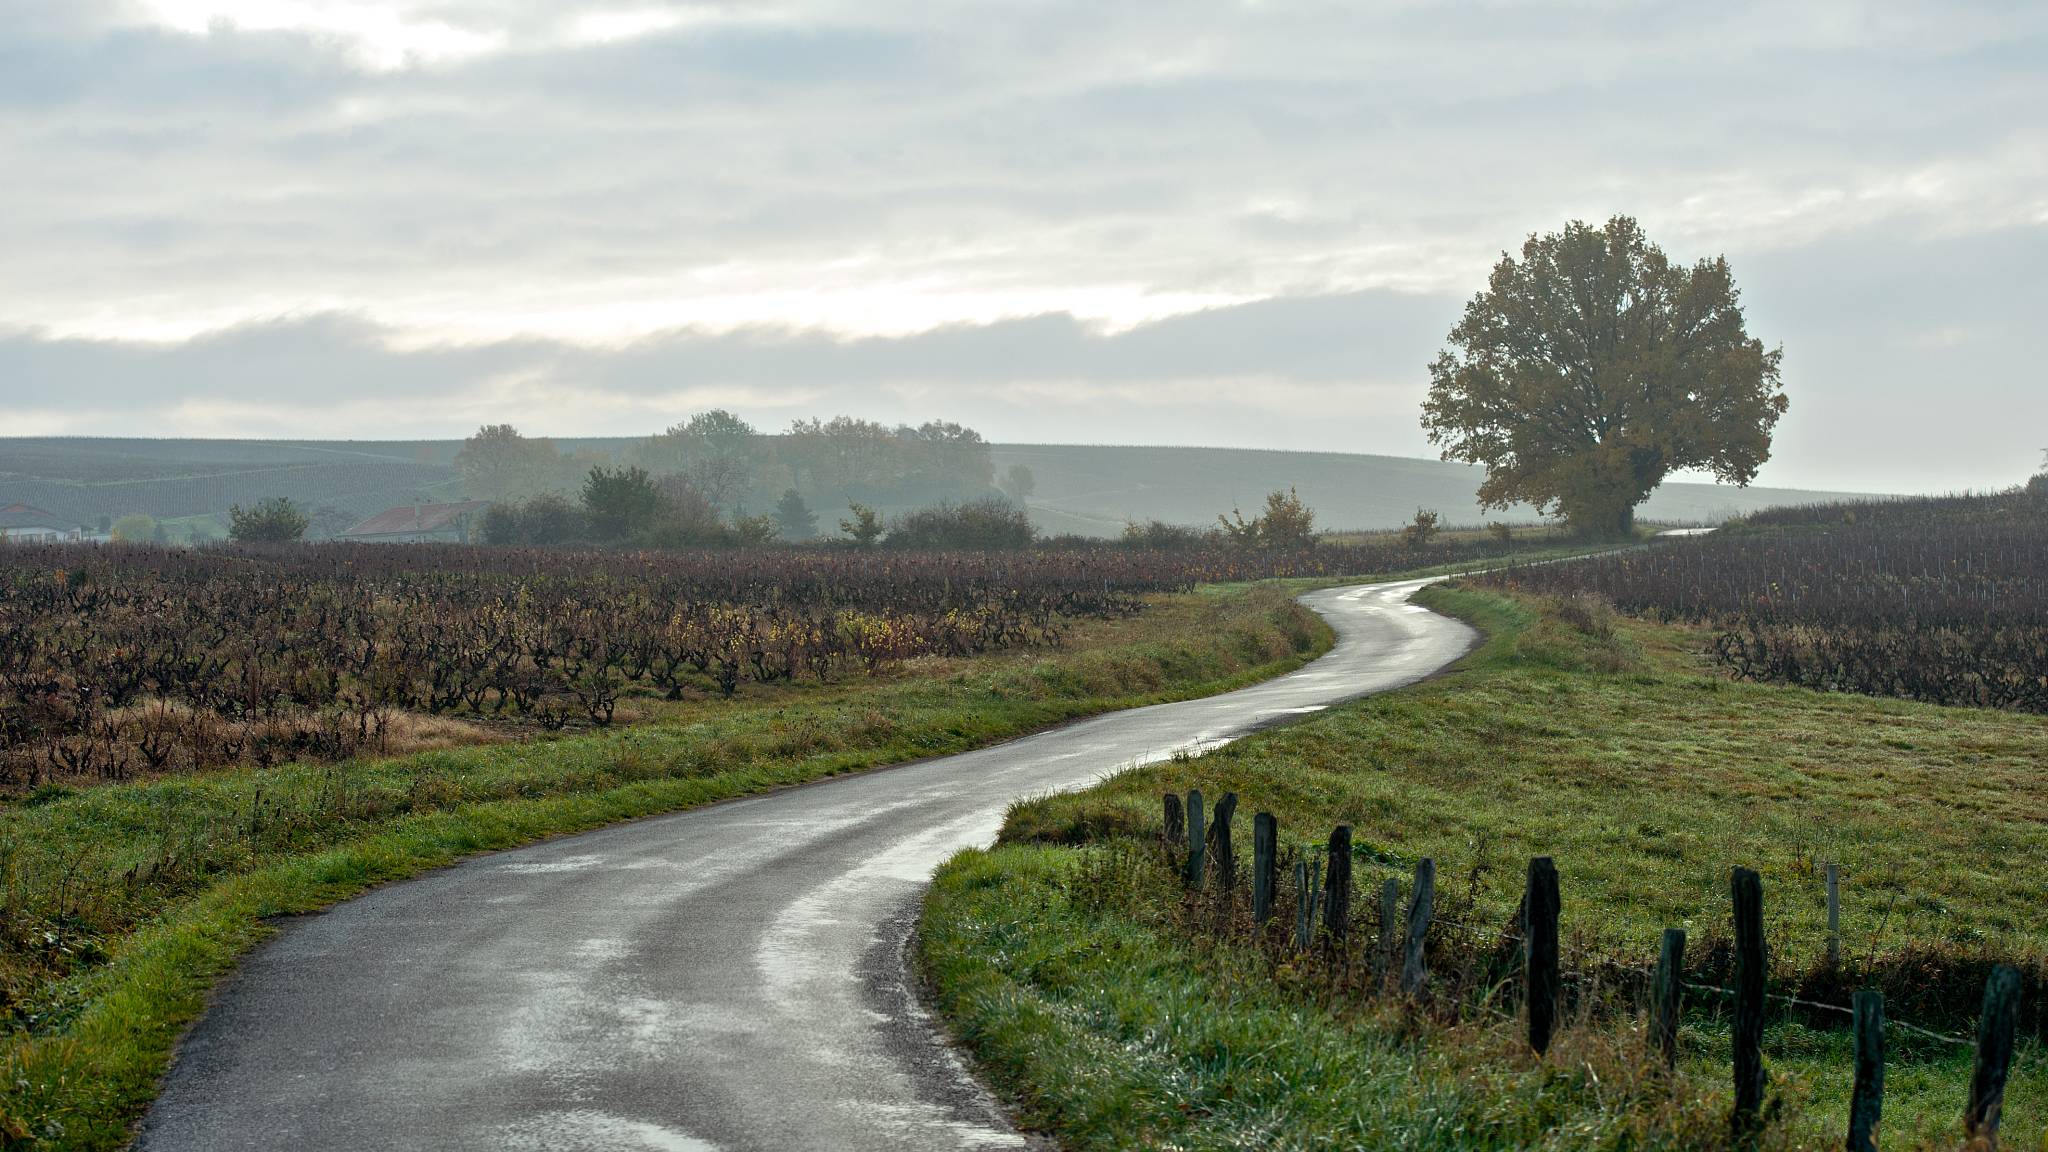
pixel 421 524
pixel 28 522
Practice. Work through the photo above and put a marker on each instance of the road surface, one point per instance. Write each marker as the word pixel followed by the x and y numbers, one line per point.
pixel 727 978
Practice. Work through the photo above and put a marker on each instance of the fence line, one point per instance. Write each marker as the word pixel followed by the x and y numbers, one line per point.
pixel 1322 884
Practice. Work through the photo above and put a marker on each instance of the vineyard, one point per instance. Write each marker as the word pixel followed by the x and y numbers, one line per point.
pixel 83 480
pixel 1942 600
pixel 120 662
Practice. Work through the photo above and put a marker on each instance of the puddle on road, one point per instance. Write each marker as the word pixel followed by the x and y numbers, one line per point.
pixel 591 1131
pixel 542 867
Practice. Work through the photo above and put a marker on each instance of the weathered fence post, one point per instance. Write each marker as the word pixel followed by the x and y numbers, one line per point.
pixel 1866 1099
pixel 1197 839
pixel 1176 830
pixel 1994 1055
pixel 1265 840
pixel 1666 993
pixel 1539 946
pixel 1390 930
pixel 1337 883
pixel 1304 905
pixel 1226 858
pixel 1415 967
pixel 1748 891
pixel 1834 882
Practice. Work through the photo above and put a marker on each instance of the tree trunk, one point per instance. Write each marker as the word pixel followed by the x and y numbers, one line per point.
pixel 1601 521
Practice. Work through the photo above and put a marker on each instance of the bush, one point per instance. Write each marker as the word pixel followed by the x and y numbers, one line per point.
pixel 135 529
pixel 620 503
pixel 794 519
pixel 1422 529
pixel 547 519
pixel 1286 525
pixel 274 521
pixel 981 524
pixel 865 526
pixel 1167 537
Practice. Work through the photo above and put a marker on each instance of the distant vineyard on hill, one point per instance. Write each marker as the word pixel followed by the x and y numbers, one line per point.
pixel 86 480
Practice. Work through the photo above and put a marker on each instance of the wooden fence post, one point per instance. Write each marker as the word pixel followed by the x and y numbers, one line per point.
pixel 1834 882
pixel 1304 905
pixel 1539 946
pixel 1390 926
pixel 1748 891
pixel 1197 839
pixel 1866 1099
pixel 1415 967
pixel 1265 840
pixel 1226 858
pixel 1176 830
pixel 1666 995
pixel 1995 1031
pixel 1337 883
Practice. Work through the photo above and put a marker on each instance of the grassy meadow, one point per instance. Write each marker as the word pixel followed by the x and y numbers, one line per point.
pixel 1601 741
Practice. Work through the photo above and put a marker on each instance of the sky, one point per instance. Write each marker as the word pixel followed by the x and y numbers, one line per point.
pixel 1153 221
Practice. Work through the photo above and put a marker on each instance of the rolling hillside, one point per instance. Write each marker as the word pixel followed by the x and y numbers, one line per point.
pixel 1094 490
pixel 1083 489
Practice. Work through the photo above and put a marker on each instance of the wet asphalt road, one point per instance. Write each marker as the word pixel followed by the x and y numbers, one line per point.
pixel 725 978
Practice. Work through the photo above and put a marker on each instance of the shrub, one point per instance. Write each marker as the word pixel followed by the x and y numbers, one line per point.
pixel 1286 525
pixel 793 518
pixel 1169 537
pixel 274 521
pixel 1422 529
pixel 619 503
pixel 865 526
pixel 547 520
pixel 981 524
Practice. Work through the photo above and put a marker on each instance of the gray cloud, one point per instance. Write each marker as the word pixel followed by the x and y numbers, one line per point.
pixel 590 216
pixel 1909 366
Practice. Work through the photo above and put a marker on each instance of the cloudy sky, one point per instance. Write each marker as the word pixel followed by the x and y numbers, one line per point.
pixel 1149 221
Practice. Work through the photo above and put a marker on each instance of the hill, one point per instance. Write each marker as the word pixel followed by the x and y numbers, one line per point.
pixel 1095 489
pixel 1086 489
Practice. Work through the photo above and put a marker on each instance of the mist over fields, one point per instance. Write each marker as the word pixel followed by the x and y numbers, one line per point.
pixel 1083 489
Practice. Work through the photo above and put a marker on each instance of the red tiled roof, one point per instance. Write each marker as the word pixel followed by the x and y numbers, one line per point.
pixel 30 516
pixel 410 518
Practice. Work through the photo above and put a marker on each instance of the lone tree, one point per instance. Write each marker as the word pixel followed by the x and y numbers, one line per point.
pixel 1592 367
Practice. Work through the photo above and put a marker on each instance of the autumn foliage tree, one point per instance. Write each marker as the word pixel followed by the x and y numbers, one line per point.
pixel 1594 366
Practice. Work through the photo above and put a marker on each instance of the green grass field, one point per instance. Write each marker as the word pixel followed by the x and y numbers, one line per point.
pixel 1613 749
pixel 122 904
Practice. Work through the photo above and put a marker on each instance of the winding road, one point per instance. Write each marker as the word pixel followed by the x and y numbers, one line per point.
pixel 728 978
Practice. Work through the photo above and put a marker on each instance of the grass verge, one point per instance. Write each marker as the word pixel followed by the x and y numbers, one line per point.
pixel 121 905
pixel 1605 743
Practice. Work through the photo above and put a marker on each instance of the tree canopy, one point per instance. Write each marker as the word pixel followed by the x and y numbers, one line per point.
pixel 1592 367
pixel 498 463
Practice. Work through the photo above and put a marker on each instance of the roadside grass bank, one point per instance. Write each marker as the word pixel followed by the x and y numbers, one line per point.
pixel 120 905
pixel 1606 743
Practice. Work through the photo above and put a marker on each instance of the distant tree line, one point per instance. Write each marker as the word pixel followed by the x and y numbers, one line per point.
pixel 738 470
pixel 625 506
